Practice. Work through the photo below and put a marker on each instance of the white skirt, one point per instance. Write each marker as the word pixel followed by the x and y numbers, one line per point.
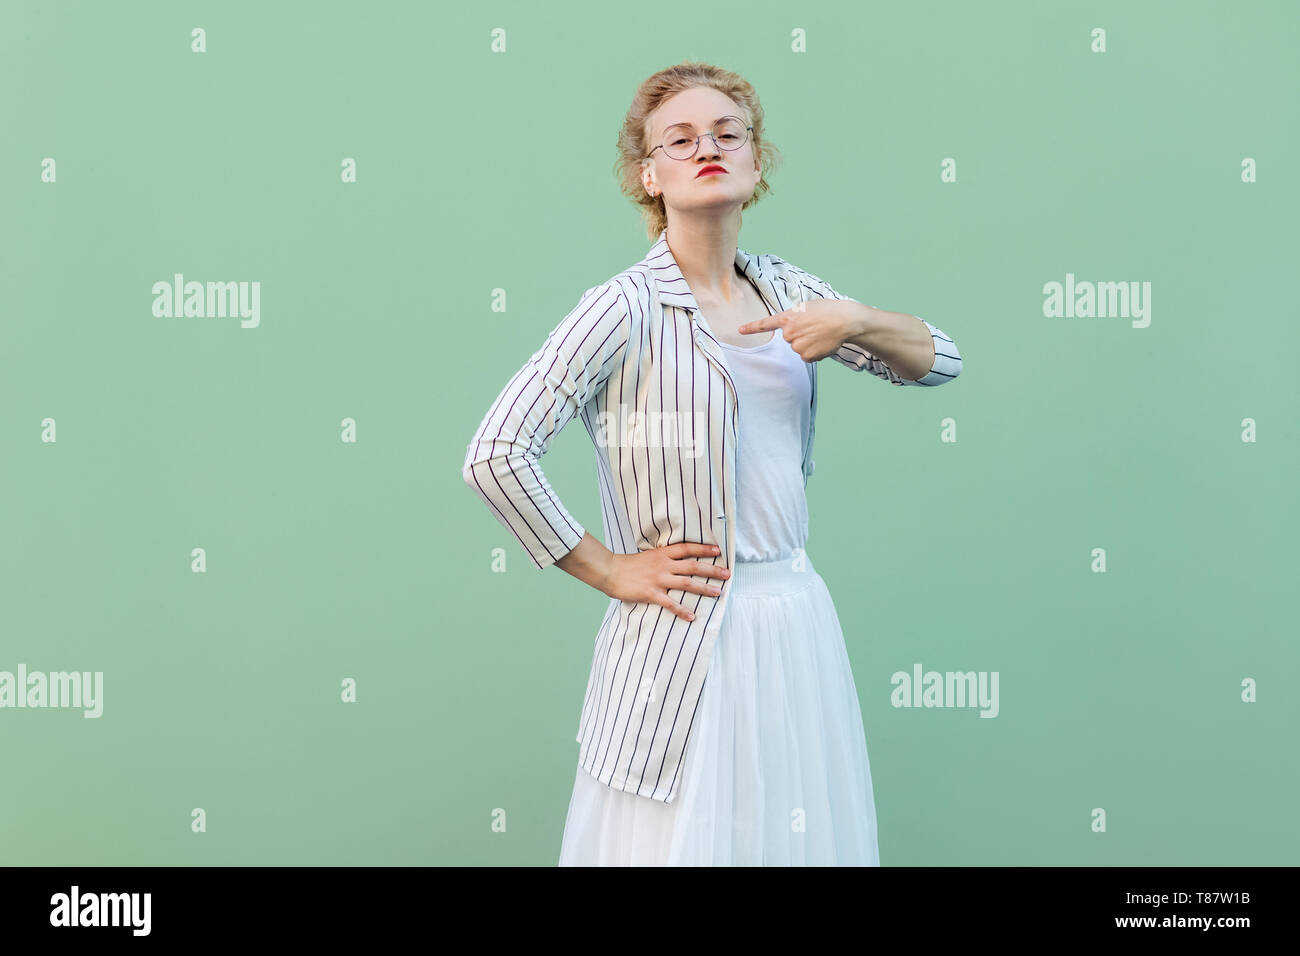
pixel 775 772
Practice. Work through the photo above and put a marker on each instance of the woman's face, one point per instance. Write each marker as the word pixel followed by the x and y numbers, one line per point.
pixel 679 180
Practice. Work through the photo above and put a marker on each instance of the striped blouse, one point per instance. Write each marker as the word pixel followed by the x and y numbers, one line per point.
pixel 637 361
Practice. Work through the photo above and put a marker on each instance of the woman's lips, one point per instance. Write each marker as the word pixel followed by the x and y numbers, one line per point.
pixel 710 171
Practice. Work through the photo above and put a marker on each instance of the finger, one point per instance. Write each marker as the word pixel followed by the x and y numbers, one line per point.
pixel 686 584
pixel 762 325
pixel 685 549
pixel 772 321
pixel 677 609
pixel 700 568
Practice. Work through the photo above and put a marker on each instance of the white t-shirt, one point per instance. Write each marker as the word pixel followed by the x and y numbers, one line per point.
pixel 773 395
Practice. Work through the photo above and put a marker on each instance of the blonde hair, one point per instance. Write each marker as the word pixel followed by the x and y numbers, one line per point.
pixel 634 137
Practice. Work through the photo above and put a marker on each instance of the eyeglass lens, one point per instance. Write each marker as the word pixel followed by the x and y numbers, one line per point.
pixel 680 142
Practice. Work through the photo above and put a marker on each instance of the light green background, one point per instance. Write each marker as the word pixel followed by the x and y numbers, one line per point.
pixel 480 171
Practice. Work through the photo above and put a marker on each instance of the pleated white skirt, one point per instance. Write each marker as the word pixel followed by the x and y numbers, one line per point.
pixel 775 771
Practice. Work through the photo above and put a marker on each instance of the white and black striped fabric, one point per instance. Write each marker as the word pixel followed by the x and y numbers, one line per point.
pixel 635 347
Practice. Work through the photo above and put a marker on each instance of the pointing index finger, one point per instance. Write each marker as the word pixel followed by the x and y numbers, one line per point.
pixel 762 325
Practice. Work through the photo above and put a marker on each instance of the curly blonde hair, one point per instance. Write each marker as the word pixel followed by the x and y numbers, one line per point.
pixel 634 137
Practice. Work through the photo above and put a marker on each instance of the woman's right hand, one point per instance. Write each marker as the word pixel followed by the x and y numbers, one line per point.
pixel 647 576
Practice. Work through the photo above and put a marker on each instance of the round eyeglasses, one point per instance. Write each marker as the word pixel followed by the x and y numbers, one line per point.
pixel 728 133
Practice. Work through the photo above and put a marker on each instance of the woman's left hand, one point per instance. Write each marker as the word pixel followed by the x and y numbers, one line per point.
pixel 814 329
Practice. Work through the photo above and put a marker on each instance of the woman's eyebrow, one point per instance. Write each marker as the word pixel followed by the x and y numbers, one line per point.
pixel 692 125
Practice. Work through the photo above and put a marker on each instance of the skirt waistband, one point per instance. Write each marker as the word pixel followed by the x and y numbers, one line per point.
pixel 782 576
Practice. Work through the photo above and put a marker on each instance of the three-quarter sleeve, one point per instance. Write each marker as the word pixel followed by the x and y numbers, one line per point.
pixel 502 459
pixel 947 360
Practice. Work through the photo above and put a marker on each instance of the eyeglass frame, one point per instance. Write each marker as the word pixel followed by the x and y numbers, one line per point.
pixel 708 132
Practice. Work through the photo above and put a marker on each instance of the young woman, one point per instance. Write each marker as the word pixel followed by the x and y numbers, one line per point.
pixel 721 724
